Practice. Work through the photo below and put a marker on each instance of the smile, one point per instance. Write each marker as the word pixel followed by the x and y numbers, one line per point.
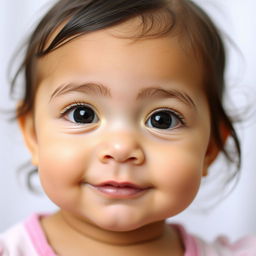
pixel 120 190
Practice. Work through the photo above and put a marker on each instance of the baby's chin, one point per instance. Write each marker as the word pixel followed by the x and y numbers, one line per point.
pixel 127 225
pixel 125 220
pixel 120 226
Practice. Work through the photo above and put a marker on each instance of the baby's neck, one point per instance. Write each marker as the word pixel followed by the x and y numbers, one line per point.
pixel 88 237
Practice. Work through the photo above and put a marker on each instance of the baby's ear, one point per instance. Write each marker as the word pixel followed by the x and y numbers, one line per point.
pixel 26 124
pixel 213 149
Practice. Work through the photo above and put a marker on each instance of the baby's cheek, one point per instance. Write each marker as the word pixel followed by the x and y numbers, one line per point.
pixel 61 169
pixel 182 175
pixel 61 164
pixel 179 175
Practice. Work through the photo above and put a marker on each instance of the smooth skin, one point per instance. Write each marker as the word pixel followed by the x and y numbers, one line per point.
pixel 124 83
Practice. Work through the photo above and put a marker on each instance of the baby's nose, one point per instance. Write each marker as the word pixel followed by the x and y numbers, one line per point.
pixel 121 148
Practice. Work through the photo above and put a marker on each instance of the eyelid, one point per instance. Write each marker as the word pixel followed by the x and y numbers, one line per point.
pixel 174 112
pixel 75 104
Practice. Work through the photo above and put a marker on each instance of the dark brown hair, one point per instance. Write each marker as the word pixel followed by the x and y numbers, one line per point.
pixel 196 31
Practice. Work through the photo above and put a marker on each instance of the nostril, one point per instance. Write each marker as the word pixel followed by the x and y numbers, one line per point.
pixel 120 159
pixel 122 155
pixel 105 158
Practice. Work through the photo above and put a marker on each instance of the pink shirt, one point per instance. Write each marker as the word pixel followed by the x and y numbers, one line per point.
pixel 28 239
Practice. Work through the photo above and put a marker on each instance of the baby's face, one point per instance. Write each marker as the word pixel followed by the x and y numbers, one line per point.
pixel 122 129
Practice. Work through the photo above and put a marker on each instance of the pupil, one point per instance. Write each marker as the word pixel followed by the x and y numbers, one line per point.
pixel 83 115
pixel 161 120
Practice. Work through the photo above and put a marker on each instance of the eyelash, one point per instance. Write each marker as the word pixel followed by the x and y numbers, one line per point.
pixel 177 114
pixel 69 107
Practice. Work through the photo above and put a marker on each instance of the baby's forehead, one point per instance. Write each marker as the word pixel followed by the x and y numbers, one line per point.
pixel 106 58
pixel 191 32
pixel 117 41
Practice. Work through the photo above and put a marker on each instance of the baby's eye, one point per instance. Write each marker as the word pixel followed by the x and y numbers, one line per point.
pixel 81 114
pixel 164 119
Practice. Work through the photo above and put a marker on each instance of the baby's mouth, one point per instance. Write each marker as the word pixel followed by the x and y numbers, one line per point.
pixel 119 190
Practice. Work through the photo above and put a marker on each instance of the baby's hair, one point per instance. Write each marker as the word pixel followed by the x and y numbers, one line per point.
pixel 198 35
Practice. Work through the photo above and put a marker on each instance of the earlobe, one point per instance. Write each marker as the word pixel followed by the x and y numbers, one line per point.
pixel 213 149
pixel 26 124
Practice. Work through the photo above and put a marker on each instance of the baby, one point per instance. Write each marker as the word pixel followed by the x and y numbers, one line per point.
pixel 122 113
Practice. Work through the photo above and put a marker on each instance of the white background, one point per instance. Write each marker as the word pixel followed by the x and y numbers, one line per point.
pixel 235 216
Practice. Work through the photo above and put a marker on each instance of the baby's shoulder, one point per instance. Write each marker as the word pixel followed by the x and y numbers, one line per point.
pixel 15 242
pixel 220 247
pixel 223 247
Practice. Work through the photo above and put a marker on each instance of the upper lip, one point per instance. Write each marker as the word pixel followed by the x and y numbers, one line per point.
pixel 122 184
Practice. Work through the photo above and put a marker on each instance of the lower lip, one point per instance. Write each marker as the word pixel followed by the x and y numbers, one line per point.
pixel 119 192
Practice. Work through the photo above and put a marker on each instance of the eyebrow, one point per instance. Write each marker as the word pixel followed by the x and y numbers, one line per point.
pixel 90 88
pixel 152 92
pixel 101 90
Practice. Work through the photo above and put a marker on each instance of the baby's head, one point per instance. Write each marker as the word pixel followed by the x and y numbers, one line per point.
pixel 123 107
